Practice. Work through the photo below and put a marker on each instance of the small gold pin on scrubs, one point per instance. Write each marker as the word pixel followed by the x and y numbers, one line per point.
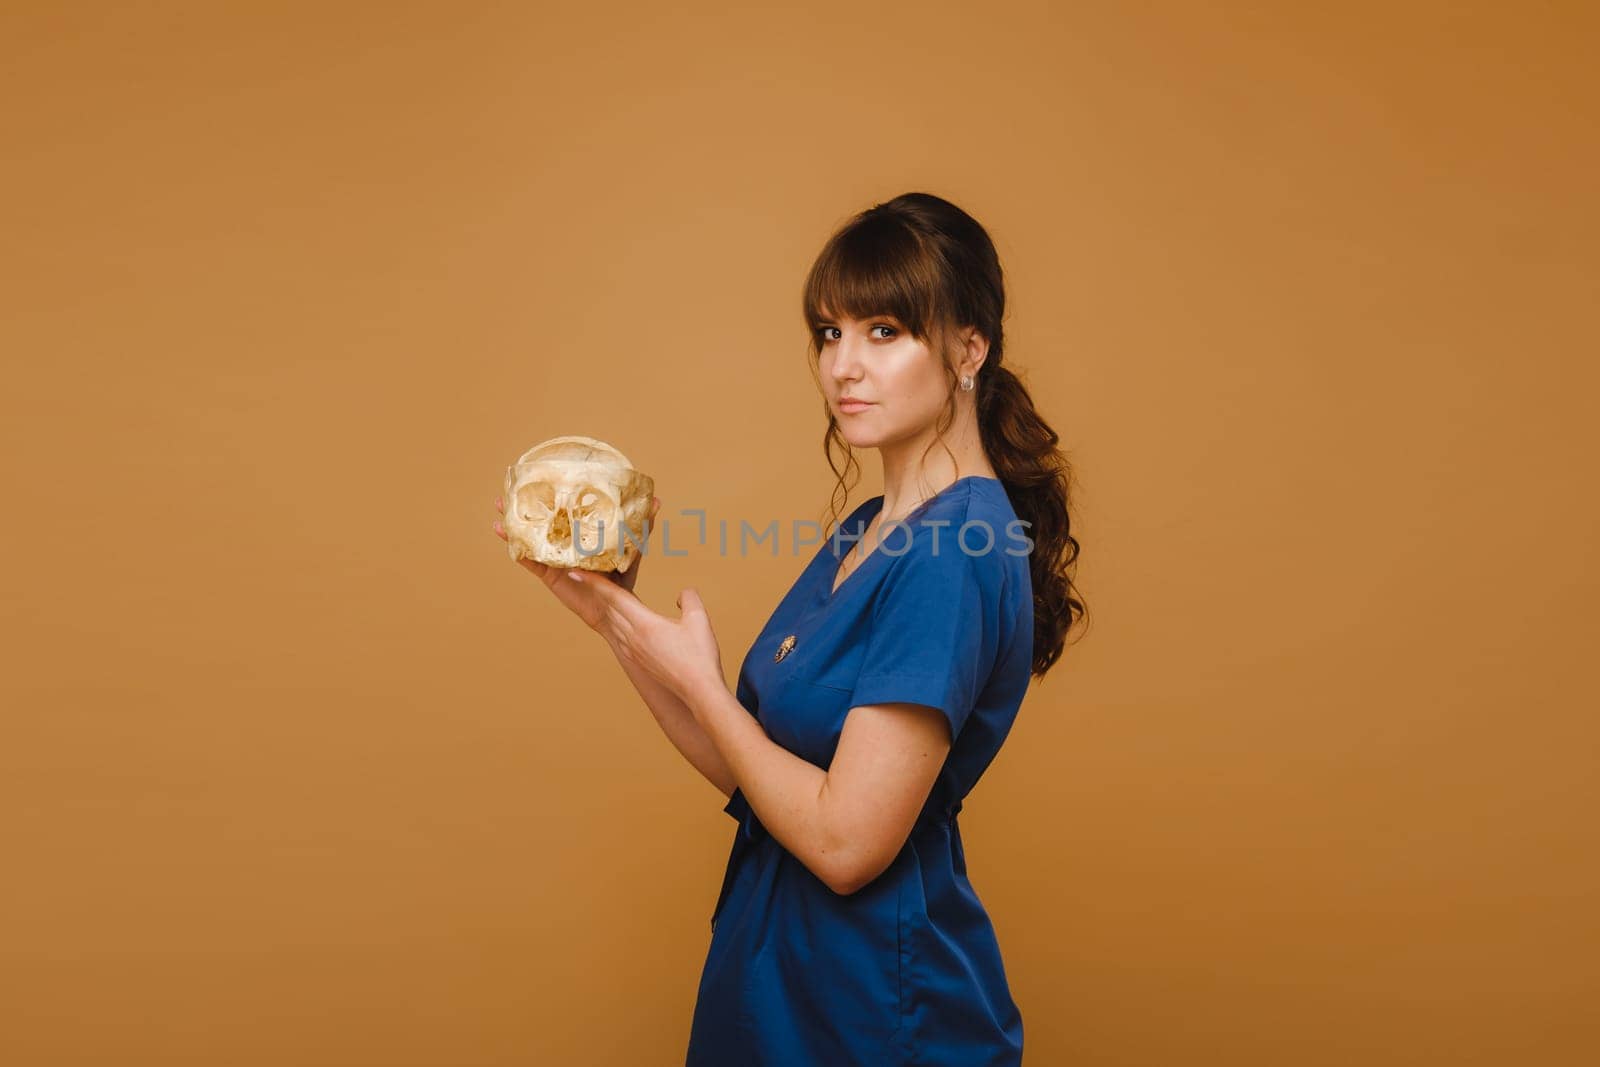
pixel 784 649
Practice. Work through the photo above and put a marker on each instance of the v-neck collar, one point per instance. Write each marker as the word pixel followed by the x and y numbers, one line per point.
pixel 830 592
pixel 870 510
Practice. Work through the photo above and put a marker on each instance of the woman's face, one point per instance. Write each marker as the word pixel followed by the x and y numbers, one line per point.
pixel 901 383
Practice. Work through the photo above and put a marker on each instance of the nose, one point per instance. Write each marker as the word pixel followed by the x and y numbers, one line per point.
pixel 846 360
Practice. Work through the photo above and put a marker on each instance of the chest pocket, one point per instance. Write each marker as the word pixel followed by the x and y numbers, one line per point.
pixel 805 709
pixel 805 695
pixel 828 659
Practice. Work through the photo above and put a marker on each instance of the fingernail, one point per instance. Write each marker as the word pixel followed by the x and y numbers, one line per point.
pixel 575 576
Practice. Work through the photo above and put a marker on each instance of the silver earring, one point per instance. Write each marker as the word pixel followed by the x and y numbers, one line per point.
pixel 966 383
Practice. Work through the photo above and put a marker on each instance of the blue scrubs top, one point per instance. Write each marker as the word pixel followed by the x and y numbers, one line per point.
pixel 907 969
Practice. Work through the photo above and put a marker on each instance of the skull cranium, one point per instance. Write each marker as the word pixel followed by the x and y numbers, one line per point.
pixel 576 502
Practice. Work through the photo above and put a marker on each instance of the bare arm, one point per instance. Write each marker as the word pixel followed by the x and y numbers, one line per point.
pixel 846 823
pixel 678 723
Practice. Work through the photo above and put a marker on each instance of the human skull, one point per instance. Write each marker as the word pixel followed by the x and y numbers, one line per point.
pixel 567 501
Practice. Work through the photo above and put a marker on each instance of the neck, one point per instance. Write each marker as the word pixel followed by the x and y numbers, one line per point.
pixel 913 472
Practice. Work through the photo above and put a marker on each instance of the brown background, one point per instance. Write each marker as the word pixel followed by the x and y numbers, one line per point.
pixel 298 768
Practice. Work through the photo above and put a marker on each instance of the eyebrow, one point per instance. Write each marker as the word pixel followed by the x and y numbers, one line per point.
pixel 886 317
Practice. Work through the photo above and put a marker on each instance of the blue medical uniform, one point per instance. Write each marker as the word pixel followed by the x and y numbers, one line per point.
pixel 906 970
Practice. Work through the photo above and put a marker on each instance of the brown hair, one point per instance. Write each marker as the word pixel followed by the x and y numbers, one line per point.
pixel 931 266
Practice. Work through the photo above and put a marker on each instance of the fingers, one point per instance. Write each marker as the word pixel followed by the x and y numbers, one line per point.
pixel 611 595
pixel 689 603
pixel 582 603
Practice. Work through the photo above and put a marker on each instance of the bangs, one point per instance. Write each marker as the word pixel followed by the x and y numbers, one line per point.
pixel 875 267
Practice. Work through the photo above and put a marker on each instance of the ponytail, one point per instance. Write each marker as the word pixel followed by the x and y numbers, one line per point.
pixel 1038 480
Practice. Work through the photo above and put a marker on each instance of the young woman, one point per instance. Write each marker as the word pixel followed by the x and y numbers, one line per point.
pixel 847 931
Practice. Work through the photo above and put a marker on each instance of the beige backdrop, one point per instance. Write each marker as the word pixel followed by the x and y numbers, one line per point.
pixel 294 763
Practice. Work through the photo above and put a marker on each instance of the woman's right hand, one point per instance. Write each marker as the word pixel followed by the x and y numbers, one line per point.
pixel 578 597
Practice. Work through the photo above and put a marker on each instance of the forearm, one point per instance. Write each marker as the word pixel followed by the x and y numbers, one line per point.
pixel 786 792
pixel 678 723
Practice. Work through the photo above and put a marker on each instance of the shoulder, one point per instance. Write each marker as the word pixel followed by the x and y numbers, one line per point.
pixel 959 536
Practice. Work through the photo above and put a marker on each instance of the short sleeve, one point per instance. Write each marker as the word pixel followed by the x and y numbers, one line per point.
pixel 935 631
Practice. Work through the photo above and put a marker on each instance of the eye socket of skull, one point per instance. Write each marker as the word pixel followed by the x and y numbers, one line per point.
pixel 592 508
pixel 536 501
pixel 590 499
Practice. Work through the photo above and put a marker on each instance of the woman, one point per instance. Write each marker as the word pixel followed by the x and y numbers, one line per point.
pixel 847 931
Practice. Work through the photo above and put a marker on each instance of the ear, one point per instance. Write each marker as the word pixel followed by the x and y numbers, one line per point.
pixel 976 351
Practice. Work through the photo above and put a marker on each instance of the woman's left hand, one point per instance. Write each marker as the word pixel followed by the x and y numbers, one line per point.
pixel 681 653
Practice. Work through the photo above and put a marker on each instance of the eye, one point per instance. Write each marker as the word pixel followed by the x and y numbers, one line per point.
pixel 822 331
